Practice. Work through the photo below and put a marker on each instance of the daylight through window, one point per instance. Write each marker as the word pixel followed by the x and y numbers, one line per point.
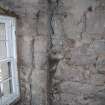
pixel 9 86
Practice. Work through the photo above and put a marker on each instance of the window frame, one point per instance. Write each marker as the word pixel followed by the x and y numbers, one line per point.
pixel 10 24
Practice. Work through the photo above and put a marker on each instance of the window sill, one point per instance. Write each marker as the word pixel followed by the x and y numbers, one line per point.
pixel 15 101
pixel 11 100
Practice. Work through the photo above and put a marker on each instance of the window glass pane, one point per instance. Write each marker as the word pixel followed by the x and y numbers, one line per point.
pixel 4 71
pixel 3 49
pixel 7 88
pixel 0 101
pixel 2 31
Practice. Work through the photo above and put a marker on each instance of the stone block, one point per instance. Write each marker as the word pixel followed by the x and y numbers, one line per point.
pixel 97 79
pixel 73 35
pixel 70 73
pixel 71 25
pixel 99 46
pixel 96 22
pixel 100 65
pixel 42 26
pixel 74 93
pixel 39 83
pixel 41 44
pixel 83 56
pixel 25 52
pixel 90 37
pixel 40 61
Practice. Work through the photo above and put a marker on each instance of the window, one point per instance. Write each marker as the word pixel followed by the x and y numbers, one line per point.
pixel 9 86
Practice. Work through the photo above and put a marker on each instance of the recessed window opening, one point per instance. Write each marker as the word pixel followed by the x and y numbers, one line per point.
pixel 9 86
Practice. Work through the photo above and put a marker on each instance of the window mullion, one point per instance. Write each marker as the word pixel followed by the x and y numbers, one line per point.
pixel 5 80
pixel 1 90
pixel 5 60
pixel 8 38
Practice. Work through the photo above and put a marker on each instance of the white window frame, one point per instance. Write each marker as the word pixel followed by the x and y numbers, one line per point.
pixel 10 23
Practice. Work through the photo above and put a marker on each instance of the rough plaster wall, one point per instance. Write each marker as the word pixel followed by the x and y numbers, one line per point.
pixel 32 34
pixel 61 51
pixel 33 52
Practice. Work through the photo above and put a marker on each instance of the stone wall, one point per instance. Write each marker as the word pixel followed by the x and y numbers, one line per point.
pixel 61 51
pixel 79 30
